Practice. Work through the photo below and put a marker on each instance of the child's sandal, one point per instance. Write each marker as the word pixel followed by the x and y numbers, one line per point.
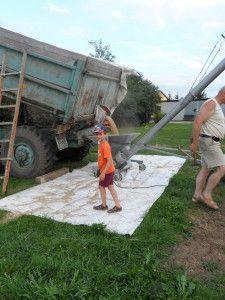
pixel 100 207
pixel 114 209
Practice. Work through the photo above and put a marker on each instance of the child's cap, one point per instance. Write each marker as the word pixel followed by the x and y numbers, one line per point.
pixel 100 128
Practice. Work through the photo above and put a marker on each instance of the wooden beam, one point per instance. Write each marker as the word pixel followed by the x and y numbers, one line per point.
pixel 52 175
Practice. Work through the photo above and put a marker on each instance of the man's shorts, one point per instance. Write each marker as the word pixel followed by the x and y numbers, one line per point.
pixel 211 153
pixel 108 180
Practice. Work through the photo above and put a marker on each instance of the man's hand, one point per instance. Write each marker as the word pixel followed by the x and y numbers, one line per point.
pixel 193 147
pixel 102 176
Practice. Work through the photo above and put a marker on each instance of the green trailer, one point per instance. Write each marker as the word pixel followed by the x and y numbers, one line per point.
pixel 65 95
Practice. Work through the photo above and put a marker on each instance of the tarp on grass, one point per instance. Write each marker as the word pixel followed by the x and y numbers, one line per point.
pixel 71 198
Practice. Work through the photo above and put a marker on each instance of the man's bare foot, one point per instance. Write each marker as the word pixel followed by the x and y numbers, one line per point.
pixel 196 199
pixel 209 202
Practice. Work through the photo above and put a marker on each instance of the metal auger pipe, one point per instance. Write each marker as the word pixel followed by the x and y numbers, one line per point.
pixel 167 118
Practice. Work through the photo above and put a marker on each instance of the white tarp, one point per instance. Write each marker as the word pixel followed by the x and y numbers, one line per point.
pixel 71 197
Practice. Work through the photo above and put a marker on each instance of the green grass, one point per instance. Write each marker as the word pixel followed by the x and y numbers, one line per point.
pixel 44 259
pixel 171 135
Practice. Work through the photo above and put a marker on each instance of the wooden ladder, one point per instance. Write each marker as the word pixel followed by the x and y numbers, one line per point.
pixel 16 107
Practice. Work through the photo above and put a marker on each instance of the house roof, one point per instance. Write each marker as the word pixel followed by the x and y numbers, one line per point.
pixel 163 96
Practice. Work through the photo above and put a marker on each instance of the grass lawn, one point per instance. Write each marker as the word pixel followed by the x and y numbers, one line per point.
pixel 44 259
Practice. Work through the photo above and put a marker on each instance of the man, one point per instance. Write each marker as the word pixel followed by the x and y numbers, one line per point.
pixel 208 131
pixel 108 121
pixel 110 124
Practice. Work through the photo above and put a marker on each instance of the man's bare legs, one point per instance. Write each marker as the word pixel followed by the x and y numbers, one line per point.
pixel 213 180
pixel 204 190
pixel 200 181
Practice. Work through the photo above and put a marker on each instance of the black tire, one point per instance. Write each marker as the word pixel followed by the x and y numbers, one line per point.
pixel 40 149
pixel 74 154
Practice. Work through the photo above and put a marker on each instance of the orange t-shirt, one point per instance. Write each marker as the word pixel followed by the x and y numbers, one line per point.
pixel 104 152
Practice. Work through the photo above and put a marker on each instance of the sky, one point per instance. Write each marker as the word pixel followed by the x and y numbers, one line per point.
pixel 167 41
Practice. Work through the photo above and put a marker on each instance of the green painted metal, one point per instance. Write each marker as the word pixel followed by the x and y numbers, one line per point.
pixel 24 156
pixel 48 82
pixel 67 86
pixel 72 98
pixel 65 83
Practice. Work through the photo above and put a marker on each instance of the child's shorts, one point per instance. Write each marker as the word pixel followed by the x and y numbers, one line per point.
pixel 108 180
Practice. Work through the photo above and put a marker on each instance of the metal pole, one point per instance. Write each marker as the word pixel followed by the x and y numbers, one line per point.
pixel 170 153
pixel 167 118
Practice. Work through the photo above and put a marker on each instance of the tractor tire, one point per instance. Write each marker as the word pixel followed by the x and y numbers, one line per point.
pixel 33 153
pixel 74 154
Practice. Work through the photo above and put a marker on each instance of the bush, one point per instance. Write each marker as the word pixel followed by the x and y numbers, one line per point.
pixel 139 104
pixel 158 116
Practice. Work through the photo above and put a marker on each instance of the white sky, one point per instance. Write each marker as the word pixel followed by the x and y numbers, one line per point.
pixel 168 41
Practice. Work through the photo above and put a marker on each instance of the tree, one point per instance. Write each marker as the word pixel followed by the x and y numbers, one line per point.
pixel 102 51
pixel 201 96
pixel 176 96
pixel 139 104
pixel 169 96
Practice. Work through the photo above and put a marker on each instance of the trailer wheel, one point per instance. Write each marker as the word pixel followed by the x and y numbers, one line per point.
pixel 33 153
pixel 74 154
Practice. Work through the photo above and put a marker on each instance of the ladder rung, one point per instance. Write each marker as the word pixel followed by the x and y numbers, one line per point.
pixel 10 90
pixel 5 123
pixel 4 141
pixel 10 74
pixel 18 92
pixel 8 106
pixel 5 158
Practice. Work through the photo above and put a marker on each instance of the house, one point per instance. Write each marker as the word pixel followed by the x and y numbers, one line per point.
pixel 163 96
pixel 188 113
pixel 167 106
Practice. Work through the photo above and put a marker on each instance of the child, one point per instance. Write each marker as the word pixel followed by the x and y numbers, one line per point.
pixel 106 169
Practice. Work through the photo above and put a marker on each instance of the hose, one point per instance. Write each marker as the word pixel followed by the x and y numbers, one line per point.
pixel 138 187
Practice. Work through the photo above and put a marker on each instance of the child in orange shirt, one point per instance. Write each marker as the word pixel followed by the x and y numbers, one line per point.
pixel 106 169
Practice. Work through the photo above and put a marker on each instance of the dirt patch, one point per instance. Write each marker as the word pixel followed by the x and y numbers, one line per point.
pixel 203 254
pixel 9 217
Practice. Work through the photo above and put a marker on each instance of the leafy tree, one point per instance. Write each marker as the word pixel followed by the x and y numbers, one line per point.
pixel 176 96
pixel 169 96
pixel 139 104
pixel 102 51
pixel 201 96
pixel 142 97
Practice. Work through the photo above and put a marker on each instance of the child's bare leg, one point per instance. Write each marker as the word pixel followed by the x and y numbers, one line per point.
pixel 114 195
pixel 103 195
